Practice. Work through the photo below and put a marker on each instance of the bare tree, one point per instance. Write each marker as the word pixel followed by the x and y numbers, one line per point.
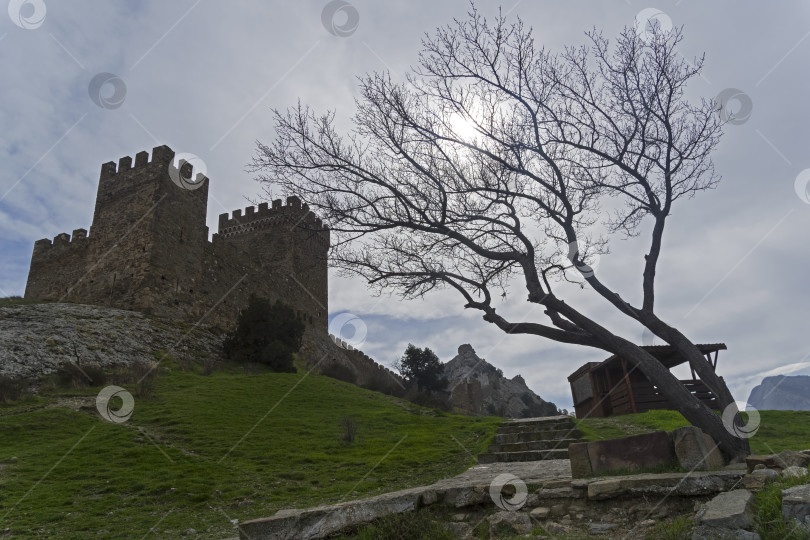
pixel 488 167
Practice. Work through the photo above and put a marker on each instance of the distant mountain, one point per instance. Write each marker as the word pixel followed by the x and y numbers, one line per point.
pixel 479 388
pixel 782 393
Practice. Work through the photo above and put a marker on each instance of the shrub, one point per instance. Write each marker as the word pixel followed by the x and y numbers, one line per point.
pixel 140 374
pixel 349 429
pixel 267 334
pixel 11 389
pixel 80 376
pixel 144 375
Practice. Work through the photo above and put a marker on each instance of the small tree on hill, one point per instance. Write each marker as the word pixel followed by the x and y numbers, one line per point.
pixel 267 334
pixel 422 367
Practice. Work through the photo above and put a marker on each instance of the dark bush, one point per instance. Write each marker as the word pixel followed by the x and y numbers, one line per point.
pixel 80 376
pixel 349 430
pixel 423 368
pixel 265 333
pixel 11 389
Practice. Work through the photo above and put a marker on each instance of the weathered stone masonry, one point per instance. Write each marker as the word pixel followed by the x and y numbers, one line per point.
pixel 148 250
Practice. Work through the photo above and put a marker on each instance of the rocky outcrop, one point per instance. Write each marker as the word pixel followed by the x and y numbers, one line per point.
pixel 478 388
pixel 782 393
pixel 37 339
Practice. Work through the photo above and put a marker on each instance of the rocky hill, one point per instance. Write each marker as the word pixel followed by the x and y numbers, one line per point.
pixel 36 339
pixel 479 388
pixel 782 393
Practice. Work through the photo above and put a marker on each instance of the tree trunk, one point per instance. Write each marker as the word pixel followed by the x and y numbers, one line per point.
pixel 697 361
pixel 692 408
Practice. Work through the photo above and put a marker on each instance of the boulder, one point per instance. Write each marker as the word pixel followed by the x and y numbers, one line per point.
pixel 794 472
pixel 782 460
pixel 796 505
pixel 759 478
pixel 541 512
pixel 502 523
pixel 731 510
pixel 696 451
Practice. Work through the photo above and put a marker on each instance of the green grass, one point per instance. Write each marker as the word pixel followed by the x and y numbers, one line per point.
pixel 614 427
pixel 209 449
pixel 778 430
pixel 674 529
pixel 11 301
pixel 769 506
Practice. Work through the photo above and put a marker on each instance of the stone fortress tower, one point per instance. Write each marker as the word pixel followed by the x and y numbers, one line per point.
pixel 148 250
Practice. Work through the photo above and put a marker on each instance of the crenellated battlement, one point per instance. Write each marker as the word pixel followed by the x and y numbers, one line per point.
pixel 61 240
pixel 160 154
pixel 294 212
pixel 148 249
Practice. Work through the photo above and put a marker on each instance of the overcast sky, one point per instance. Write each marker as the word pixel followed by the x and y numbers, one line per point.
pixel 202 76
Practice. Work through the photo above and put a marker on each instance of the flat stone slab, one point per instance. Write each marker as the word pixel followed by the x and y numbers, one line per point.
pixel 676 484
pixel 471 488
pixel 467 489
pixel 730 510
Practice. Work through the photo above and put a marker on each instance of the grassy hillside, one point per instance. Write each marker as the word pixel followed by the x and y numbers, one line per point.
pixel 777 429
pixel 206 450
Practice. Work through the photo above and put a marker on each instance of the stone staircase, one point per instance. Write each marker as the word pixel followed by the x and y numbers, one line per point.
pixel 532 439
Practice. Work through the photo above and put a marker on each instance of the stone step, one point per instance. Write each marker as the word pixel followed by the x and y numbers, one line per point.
pixel 539 420
pixel 555 444
pixel 515 427
pixel 531 436
pixel 532 455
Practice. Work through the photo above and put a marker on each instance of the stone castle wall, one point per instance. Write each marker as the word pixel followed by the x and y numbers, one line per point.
pixel 148 250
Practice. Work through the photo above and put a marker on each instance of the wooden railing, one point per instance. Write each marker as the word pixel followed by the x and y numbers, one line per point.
pixel 647 397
